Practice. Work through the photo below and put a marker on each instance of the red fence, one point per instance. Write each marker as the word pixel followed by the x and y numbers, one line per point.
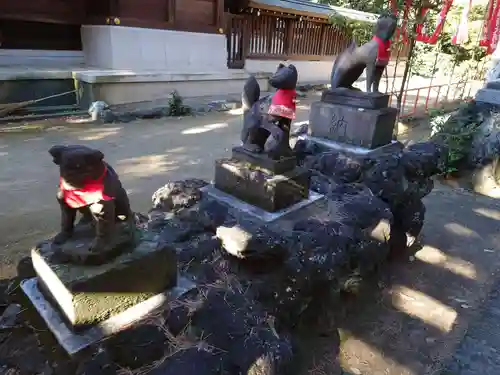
pixel 421 99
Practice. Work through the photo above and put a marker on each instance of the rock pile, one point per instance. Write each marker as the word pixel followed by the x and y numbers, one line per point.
pixel 240 317
pixel 394 182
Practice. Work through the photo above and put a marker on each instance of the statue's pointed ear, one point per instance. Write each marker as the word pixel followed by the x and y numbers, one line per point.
pixel 56 152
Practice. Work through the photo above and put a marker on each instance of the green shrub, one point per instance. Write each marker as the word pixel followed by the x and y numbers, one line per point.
pixel 176 106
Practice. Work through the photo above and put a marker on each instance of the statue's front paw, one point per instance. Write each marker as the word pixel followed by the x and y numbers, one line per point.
pixel 61 238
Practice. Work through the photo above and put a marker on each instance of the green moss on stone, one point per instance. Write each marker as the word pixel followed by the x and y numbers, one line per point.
pixel 102 291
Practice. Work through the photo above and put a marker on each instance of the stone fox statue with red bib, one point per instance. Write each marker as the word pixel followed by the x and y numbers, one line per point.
pixel 90 186
pixel 373 55
pixel 267 120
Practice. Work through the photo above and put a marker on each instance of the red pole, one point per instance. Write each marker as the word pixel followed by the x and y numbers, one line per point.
pixel 416 102
pixel 427 99
pixel 437 97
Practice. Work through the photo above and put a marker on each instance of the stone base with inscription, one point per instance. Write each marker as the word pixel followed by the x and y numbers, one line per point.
pixel 353 117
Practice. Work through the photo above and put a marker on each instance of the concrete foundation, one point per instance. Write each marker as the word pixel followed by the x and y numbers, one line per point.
pixel 489 95
pixel 347 149
pixel 257 212
pixel 121 87
pixel 251 218
pixel 75 342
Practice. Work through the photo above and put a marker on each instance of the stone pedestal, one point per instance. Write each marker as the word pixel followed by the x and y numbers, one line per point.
pixel 353 117
pixel 272 185
pixel 355 98
pixel 489 94
pixel 88 295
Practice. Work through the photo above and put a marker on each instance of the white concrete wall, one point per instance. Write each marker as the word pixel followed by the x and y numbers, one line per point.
pixel 139 49
pixel 121 88
pixel 40 58
pixel 309 71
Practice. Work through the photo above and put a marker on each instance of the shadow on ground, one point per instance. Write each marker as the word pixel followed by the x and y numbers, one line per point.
pixel 410 319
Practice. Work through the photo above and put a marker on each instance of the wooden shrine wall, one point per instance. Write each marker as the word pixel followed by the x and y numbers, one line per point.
pixel 55 24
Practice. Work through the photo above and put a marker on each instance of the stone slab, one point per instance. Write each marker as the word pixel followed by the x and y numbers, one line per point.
pixel 118 88
pixel 263 161
pixel 488 95
pixel 249 218
pixel 87 295
pixel 354 98
pixel 256 212
pixel 326 145
pixel 271 192
pixel 76 249
pixel 127 76
pixel 370 128
pixel 73 342
pixel 493 84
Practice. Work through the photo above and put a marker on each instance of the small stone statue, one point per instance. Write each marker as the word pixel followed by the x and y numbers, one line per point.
pixel 92 187
pixel 270 132
pixel 373 55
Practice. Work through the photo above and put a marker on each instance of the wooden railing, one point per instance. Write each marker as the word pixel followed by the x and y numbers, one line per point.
pixel 273 37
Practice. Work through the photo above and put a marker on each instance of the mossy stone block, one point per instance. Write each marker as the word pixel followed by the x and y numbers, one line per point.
pixel 87 295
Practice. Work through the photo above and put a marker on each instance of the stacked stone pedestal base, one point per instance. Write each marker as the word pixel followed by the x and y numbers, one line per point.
pixel 353 117
pixel 272 185
pixel 88 295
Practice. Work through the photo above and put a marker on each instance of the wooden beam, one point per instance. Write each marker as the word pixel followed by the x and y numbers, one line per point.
pixel 265 56
pixel 273 8
pixel 44 18
pixel 219 15
pixel 114 8
pixel 290 23
pixel 322 46
pixel 135 22
pixel 293 16
pixel 171 11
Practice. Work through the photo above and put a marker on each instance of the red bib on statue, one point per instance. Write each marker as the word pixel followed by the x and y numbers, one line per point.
pixel 284 104
pixel 91 193
pixel 383 51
